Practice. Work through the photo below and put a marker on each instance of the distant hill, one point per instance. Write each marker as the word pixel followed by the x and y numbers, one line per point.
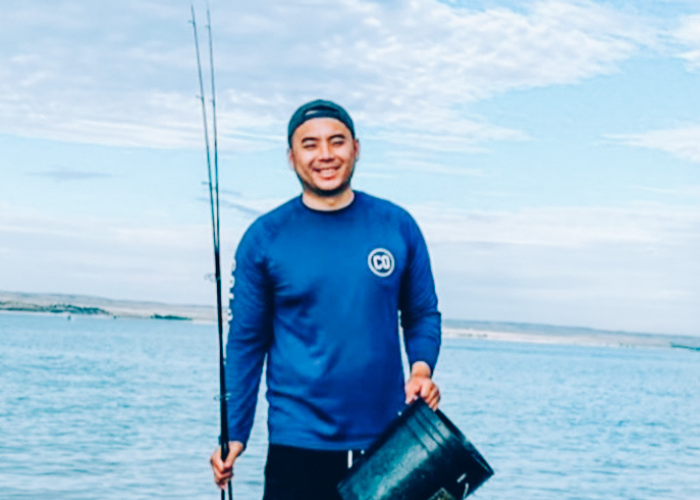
pixel 496 331
pixel 552 334
pixel 85 304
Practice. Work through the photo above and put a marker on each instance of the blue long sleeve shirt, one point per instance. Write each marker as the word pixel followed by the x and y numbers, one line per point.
pixel 317 295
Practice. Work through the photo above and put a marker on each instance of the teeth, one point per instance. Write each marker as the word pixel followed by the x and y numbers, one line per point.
pixel 326 172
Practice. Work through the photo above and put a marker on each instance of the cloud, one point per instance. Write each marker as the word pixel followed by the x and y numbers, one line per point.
pixel 124 73
pixel 250 212
pixel 245 210
pixel 250 208
pixel 633 268
pixel 447 134
pixel 62 174
pixel 684 143
pixel 691 191
pixel 112 258
pixel 559 227
pixel 401 161
pixel 688 35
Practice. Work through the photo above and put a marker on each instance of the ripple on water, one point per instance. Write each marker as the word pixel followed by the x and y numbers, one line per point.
pixel 96 408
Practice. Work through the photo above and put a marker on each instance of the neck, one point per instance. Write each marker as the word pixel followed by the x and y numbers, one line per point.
pixel 328 203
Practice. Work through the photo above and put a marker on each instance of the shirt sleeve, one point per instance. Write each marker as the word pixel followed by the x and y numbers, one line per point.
pixel 250 331
pixel 420 318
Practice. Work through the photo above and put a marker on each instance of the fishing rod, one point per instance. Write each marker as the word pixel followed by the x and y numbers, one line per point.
pixel 214 205
pixel 214 130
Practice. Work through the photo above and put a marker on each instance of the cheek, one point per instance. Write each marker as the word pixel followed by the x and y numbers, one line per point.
pixel 300 162
pixel 350 160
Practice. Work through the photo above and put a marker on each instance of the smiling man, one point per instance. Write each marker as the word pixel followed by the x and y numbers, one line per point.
pixel 319 283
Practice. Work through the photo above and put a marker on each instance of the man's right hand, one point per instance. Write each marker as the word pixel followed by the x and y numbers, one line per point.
pixel 223 470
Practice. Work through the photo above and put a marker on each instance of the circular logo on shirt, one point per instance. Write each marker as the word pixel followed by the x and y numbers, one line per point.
pixel 381 262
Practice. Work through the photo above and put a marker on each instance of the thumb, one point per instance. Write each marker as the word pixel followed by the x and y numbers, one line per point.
pixel 412 390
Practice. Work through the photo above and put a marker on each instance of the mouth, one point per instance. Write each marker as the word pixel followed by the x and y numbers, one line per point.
pixel 326 173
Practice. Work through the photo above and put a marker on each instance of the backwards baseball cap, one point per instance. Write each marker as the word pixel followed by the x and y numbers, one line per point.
pixel 318 109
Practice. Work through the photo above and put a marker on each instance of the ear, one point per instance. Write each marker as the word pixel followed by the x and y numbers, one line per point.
pixel 290 158
pixel 357 149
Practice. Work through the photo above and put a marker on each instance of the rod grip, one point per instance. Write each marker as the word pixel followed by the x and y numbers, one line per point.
pixel 224 451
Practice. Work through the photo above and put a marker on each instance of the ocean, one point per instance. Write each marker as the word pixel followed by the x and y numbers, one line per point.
pixel 94 408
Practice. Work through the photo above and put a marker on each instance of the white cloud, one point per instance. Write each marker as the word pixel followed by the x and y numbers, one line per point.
pixel 145 258
pixel 62 174
pixel 113 258
pixel 402 161
pixel 125 73
pixel 688 35
pixel 446 134
pixel 678 191
pixel 632 268
pixel 558 227
pixel 682 142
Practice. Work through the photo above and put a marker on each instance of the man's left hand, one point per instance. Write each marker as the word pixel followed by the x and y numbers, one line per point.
pixel 421 385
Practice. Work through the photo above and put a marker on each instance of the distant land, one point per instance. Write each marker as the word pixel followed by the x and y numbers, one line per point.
pixel 551 334
pixel 98 306
pixel 495 331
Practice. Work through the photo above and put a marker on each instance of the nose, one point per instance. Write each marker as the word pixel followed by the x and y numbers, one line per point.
pixel 326 151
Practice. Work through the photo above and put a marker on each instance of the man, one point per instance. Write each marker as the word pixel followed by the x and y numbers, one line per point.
pixel 319 284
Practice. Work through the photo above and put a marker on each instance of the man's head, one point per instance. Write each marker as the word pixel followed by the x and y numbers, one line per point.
pixel 323 150
pixel 319 109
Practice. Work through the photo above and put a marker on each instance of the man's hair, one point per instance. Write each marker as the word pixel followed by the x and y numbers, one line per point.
pixel 319 109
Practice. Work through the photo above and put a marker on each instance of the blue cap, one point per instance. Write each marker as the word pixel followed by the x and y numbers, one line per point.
pixel 318 109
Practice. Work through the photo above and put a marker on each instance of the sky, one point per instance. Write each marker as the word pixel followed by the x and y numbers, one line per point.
pixel 549 150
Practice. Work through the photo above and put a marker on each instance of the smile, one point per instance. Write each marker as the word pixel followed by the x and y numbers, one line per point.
pixel 327 172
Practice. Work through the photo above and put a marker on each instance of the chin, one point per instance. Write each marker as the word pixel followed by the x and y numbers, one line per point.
pixel 329 191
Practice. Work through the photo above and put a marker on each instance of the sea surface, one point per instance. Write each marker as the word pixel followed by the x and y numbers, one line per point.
pixel 95 408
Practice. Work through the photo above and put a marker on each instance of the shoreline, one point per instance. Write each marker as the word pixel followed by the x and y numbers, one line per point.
pixel 84 305
pixel 597 339
pixel 80 305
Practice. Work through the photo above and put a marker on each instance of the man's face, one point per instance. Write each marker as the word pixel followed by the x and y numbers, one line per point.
pixel 323 155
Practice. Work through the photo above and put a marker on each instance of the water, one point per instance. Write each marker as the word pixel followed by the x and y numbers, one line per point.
pixel 124 409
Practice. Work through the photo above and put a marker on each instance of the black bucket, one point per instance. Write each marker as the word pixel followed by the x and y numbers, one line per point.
pixel 421 456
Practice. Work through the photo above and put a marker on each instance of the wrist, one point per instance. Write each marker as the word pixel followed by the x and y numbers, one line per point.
pixel 421 369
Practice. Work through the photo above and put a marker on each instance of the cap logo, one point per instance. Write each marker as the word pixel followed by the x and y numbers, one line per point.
pixel 381 262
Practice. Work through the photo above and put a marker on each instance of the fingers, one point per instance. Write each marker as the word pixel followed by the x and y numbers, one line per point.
pixel 413 389
pixel 215 459
pixel 424 388
pixel 431 395
pixel 223 471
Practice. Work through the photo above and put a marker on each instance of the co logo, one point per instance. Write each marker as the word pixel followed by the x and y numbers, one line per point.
pixel 381 262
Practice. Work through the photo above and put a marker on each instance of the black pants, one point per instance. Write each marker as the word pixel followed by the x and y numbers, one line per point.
pixel 302 474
